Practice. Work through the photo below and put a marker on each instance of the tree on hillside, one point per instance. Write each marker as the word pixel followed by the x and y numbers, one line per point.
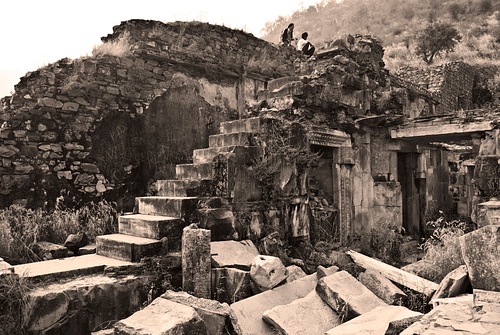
pixel 435 39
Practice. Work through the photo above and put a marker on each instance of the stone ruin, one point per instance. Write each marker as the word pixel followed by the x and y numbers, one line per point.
pixel 209 135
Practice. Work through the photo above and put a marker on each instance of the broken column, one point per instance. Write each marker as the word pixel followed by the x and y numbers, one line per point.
pixel 196 261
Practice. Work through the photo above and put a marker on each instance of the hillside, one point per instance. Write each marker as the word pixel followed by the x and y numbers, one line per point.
pixel 395 23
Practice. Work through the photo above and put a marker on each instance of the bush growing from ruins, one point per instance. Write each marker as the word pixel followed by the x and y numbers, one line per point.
pixel 13 298
pixel 383 242
pixel 119 47
pixel 442 249
pixel 436 39
pixel 21 228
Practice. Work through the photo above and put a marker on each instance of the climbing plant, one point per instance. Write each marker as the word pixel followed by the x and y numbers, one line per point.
pixel 283 166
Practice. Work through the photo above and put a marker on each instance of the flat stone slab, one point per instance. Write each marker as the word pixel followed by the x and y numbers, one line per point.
pixel 64 267
pixel 162 317
pixel 246 315
pixel 177 207
pixel 346 295
pixel 150 226
pixel 459 318
pixel 308 315
pixel 376 321
pixel 233 254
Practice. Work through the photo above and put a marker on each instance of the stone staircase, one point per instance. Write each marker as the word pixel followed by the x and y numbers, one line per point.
pixel 195 196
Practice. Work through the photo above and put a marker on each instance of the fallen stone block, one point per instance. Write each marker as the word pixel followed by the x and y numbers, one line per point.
pixel 47 250
pixel 233 254
pixel 230 285
pixel 5 267
pixel 376 321
pixel 213 313
pixel 246 315
pixel 294 273
pixel 347 296
pixel 267 272
pixel 58 307
pixel 382 287
pixel 321 271
pixel 454 284
pixel 308 315
pixel 163 317
pixel 480 253
pixel 394 274
pixel 462 299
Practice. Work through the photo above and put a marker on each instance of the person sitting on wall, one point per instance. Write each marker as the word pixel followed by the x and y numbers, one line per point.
pixel 305 46
pixel 286 36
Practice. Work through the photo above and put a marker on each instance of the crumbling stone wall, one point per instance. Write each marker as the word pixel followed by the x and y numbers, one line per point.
pixel 456 85
pixel 84 126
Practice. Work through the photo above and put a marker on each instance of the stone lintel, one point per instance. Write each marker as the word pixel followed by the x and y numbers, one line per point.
pixel 437 131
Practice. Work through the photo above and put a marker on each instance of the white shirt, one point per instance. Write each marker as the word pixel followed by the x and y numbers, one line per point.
pixel 301 43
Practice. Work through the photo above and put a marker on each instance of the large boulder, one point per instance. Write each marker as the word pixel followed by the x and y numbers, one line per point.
pixel 480 250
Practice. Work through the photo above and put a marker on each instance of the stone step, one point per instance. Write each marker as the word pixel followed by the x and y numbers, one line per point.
pixel 67 267
pixel 185 188
pixel 198 171
pixel 126 247
pixel 231 139
pixel 176 207
pixel 150 226
pixel 249 125
pixel 243 154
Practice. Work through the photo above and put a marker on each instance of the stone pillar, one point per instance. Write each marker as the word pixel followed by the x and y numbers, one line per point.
pixel 196 261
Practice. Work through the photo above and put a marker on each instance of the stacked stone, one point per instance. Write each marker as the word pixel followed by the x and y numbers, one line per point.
pixel 57 126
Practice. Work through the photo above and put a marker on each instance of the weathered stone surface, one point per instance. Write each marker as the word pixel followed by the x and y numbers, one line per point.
pixel 294 273
pixel 381 286
pixel 481 296
pixel 67 267
pixel 235 254
pixel 5 267
pixel 375 322
pixel 163 317
pixel 57 307
pixel 213 313
pixel 196 261
pixel 246 315
pixel 346 295
pixel 321 271
pixel 127 247
pixel 48 250
pixel 480 253
pixel 454 284
pixel 459 318
pixel 267 272
pixel 308 315
pixel 231 285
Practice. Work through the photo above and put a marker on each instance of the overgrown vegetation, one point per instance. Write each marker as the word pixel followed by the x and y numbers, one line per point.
pixel 282 169
pixel 119 47
pixel 442 249
pixel 13 297
pixel 21 228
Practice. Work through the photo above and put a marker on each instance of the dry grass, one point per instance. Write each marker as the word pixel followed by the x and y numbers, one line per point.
pixel 120 47
pixel 21 228
pixel 13 299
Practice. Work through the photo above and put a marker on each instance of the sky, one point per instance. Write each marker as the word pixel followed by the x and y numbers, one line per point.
pixel 35 33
